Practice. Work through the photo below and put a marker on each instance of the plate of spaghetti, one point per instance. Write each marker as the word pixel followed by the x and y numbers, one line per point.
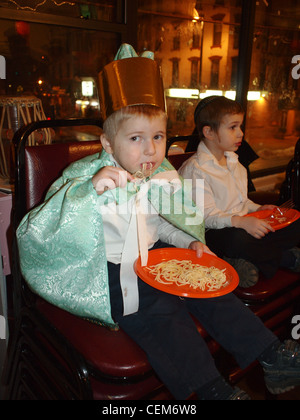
pixel 277 219
pixel 180 272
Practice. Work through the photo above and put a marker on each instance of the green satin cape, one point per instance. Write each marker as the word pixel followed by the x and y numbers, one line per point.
pixel 61 242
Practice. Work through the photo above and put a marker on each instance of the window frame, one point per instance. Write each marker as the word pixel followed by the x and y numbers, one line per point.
pixel 127 11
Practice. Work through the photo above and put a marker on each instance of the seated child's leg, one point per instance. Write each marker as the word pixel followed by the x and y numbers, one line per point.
pixel 238 244
pixel 289 241
pixel 289 237
pixel 165 331
pixel 267 254
pixel 234 326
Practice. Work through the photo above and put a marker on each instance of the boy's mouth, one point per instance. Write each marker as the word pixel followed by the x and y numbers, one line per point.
pixel 145 171
pixel 147 166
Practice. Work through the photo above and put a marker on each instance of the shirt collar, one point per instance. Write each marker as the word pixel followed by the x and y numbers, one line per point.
pixel 205 155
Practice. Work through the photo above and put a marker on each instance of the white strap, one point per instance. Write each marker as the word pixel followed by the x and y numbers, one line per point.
pixel 136 243
pixel 142 231
pixel 128 278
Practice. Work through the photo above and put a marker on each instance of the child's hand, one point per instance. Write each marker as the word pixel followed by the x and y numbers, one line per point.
pixel 109 178
pixel 200 248
pixel 258 228
pixel 267 207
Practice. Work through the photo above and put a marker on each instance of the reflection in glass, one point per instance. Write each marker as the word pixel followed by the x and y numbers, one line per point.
pixel 56 64
pixel 103 10
pixel 196 44
pixel 273 122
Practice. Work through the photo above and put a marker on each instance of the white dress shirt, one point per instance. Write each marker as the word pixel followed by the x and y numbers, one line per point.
pixel 225 187
pixel 127 236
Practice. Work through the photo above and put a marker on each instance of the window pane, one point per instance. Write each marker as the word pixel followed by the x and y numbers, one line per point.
pixel 273 121
pixel 105 10
pixel 196 44
pixel 58 65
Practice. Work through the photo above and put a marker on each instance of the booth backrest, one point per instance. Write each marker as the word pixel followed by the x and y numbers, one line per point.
pixel 44 164
pixel 178 159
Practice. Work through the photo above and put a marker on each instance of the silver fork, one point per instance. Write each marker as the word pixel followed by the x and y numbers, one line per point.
pixel 285 207
pixel 288 204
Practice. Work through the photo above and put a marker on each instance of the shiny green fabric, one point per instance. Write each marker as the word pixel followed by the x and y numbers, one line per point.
pixel 61 242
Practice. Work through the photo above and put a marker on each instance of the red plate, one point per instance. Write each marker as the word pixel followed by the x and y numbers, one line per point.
pixel 278 221
pixel 157 256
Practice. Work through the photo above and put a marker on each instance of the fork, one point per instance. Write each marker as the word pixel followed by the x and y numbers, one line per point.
pixel 285 207
pixel 288 205
pixel 141 174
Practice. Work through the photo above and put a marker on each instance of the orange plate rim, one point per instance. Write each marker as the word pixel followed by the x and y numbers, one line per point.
pixel 164 254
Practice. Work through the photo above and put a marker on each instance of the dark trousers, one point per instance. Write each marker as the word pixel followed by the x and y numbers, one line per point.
pixel 265 253
pixel 164 329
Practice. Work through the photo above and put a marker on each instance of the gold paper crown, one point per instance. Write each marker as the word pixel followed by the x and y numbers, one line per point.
pixel 130 81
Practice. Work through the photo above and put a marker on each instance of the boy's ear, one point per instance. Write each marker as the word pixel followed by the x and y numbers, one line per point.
pixel 207 132
pixel 106 143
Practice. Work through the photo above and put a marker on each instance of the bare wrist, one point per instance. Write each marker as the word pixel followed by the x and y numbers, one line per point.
pixel 236 221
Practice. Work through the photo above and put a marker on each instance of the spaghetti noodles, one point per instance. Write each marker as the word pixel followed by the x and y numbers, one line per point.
pixel 185 273
pixel 142 174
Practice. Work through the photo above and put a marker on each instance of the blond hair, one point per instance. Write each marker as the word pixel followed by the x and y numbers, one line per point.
pixel 114 121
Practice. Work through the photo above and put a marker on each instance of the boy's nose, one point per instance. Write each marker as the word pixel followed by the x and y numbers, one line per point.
pixel 150 147
pixel 241 133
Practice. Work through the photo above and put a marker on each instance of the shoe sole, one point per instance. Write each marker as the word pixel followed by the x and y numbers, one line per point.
pixel 248 273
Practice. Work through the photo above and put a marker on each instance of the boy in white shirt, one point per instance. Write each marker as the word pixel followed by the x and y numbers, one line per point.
pixel 248 243
pixel 81 233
